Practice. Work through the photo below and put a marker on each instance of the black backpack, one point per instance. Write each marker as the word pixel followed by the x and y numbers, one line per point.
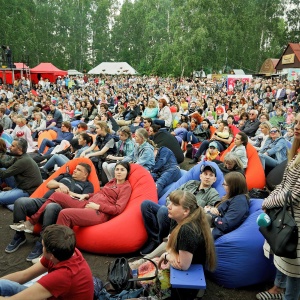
pixel 119 274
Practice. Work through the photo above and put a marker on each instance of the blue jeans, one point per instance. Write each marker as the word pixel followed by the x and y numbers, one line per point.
pixel 11 196
pixel 156 220
pixel 10 288
pixel 44 144
pixel 190 137
pixel 10 181
pixel 166 178
pixel 267 161
pixel 56 159
pixel 290 284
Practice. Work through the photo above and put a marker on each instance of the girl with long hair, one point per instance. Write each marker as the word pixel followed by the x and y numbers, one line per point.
pixel 190 240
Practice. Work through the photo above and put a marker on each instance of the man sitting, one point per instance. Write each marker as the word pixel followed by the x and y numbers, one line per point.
pixel 69 276
pixel 155 217
pixel 65 183
pixel 63 133
pixel 25 172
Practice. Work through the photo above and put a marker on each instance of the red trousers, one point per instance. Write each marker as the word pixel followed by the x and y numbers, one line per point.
pixel 73 213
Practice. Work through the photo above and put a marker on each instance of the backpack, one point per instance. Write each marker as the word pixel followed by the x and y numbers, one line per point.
pixel 119 274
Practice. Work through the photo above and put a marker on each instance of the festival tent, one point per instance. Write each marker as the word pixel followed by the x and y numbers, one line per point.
pixel 113 68
pixel 74 73
pixel 47 71
pixel 8 75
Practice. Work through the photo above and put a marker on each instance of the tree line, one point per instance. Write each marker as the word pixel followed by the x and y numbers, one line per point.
pixel 161 37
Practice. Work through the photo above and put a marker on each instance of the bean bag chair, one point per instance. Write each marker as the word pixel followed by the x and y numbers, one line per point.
pixel 124 233
pixel 255 175
pixel 42 189
pixel 193 174
pixel 240 257
pixel 49 134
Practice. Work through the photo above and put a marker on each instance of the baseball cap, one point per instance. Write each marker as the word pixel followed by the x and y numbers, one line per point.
pixel 209 168
pixel 213 144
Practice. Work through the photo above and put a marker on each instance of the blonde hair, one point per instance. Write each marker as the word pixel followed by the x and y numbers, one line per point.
pixel 142 133
pixel 197 220
pixel 103 126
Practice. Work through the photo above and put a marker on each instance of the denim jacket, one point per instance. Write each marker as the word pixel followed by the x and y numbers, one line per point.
pixel 142 155
pixel 164 160
pixel 277 149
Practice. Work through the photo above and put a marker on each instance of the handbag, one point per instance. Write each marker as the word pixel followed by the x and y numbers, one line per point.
pixel 120 277
pixel 282 233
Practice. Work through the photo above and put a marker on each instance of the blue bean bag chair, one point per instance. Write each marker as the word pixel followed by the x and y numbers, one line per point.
pixel 193 174
pixel 166 188
pixel 241 261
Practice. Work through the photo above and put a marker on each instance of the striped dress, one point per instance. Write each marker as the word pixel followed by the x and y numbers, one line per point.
pixel 290 182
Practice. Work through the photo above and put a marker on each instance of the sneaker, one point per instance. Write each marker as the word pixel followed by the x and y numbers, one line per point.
pixel 15 244
pixel 268 296
pixel 148 248
pixel 36 251
pixel 23 226
pixel 36 260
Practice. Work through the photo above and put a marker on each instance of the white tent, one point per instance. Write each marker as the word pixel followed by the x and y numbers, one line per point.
pixel 113 68
pixel 74 73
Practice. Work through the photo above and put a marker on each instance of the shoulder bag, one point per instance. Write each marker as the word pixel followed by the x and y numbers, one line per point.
pixel 282 233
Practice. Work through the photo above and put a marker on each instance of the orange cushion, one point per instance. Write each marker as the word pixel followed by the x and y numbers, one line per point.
pixel 49 134
pixel 42 189
pixel 255 175
pixel 125 233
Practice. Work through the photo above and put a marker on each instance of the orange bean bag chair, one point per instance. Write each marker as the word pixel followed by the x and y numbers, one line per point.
pixel 42 189
pixel 255 175
pixel 124 233
pixel 49 134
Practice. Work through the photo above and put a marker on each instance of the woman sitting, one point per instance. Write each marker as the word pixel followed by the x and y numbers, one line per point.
pixel 222 137
pixel 151 109
pixel 190 240
pixel 231 163
pixel 90 209
pixel 274 150
pixel 164 114
pixel 240 143
pixel 199 133
pixel 125 147
pixel 105 144
pixel 143 153
pixel 233 209
pixel 259 140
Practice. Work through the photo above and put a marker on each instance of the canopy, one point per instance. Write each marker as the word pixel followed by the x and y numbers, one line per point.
pixel 113 68
pixel 47 71
pixel 74 73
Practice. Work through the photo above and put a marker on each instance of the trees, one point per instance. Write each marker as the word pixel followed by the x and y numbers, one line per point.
pixel 155 36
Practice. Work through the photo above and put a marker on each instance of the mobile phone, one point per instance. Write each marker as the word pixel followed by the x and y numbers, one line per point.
pixel 67 169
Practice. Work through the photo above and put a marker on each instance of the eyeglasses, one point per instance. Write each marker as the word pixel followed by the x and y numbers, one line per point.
pixel 273 131
pixel 251 114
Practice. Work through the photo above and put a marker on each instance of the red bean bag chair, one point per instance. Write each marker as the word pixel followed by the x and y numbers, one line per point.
pixel 124 233
pixel 42 189
pixel 48 134
pixel 255 175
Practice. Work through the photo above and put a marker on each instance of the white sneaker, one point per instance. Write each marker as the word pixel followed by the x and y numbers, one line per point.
pixel 25 226
pixel 36 260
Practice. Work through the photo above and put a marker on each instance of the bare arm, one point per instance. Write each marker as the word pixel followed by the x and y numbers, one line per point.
pixel 59 187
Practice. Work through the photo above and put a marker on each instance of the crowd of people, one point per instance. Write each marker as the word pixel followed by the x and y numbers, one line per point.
pixel 150 121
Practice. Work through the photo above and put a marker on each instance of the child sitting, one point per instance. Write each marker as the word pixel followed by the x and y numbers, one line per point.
pixel 212 152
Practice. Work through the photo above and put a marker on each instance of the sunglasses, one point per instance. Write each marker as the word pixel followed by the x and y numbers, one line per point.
pixel 273 131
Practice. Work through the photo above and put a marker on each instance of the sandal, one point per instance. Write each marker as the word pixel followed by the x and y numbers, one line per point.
pixel 268 296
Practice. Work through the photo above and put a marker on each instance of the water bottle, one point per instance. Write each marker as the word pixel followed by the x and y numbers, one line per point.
pixel 135 274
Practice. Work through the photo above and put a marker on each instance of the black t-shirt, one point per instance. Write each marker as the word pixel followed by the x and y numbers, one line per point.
pixel 76 186
pixel 191 241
